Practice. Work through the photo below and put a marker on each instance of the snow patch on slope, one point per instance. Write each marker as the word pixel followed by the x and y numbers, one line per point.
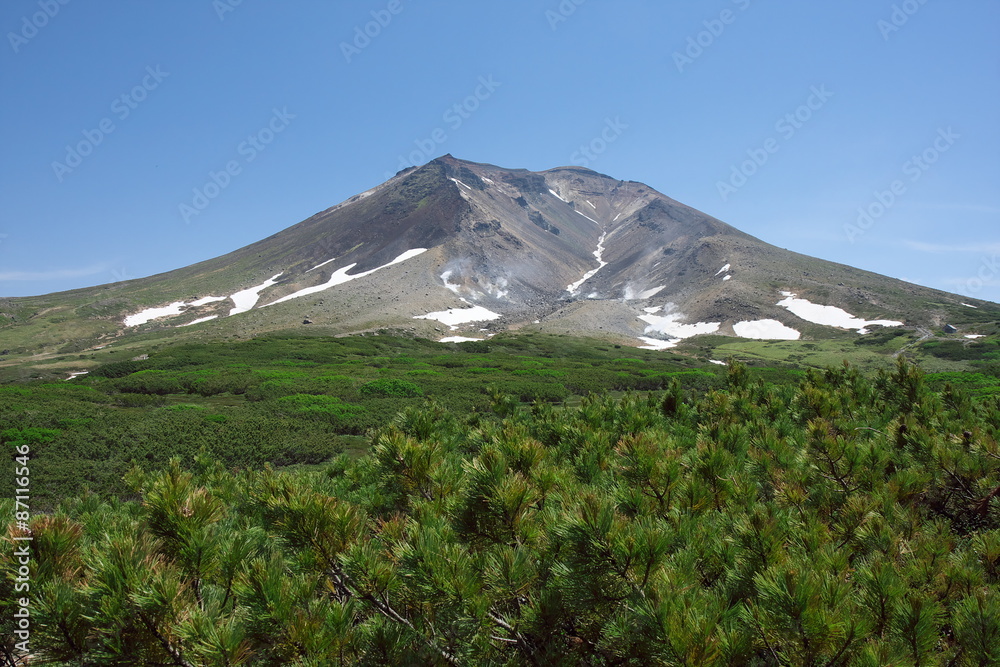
pixel 656 343
pixel 322 264
pixel 206 300
pixel 455 316
pixel 247 299
pixel 765 330
pixel 150 314
pixel 556 195
pixel 723 269
pixel 669 324
pixel 340 276
pixel 599 254
pixel 830 316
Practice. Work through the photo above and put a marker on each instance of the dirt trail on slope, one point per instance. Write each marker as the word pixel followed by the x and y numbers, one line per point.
pixel 924 335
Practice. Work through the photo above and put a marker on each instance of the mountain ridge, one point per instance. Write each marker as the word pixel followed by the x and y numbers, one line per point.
pixel 565 250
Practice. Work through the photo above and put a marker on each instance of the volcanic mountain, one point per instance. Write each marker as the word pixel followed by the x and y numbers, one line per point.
pixel 456 248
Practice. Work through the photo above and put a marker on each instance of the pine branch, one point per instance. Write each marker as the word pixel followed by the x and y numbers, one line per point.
pixel 8 658
pixel 171 650
pixel 983 506
pixel 847 642
pixel 342 579
pixel 519 638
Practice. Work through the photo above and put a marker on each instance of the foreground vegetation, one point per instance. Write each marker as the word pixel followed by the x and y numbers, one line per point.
pixel 292 400
pixel 847 519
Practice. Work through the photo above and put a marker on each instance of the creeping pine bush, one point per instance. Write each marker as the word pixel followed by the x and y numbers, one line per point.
pixel 387 387
pixel 321 407
pixel 846 521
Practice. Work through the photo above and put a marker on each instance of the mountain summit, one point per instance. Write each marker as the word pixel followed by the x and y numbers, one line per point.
pixel 458 249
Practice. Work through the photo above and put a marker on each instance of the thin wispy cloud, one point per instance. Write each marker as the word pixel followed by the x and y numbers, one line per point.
pixel 973 208
pixel 56 274
pixel 985 248
pixel 992 282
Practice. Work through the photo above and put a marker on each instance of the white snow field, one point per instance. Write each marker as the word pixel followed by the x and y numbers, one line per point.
pixel 556 195
pixel 340 276
pixel 717 362
pixel 656 344
pixel 247 299
pixel 830 316
pixel 969 305
pixel 765 330
pixel 974 336
pixel 589 218
pixel 455 316
pixel 599 254
pixel 150 314
pixel 322 264
pixel 206 300
pixel 726 277
pixel 669 324
pixel 458 339
pixel 176 308
pixel 723 269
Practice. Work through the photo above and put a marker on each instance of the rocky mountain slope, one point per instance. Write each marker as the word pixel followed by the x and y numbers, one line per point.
pixel 458 248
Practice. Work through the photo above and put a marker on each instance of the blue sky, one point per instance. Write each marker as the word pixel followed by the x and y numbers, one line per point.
pixel 144 136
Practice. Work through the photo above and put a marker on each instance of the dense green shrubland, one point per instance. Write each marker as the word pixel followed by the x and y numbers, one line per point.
pixel 848 520
pixel 290 400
